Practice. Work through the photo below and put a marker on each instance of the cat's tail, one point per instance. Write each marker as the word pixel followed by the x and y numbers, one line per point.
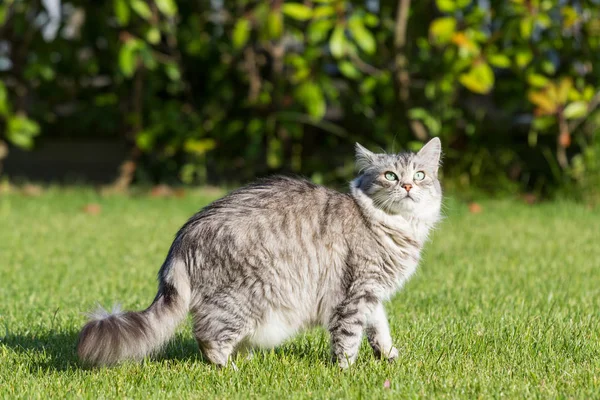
pixel 109 338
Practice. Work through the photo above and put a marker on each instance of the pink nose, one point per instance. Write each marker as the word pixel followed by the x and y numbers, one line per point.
pixel 407 186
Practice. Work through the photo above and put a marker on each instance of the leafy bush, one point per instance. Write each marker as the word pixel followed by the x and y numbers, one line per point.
pixel 230 90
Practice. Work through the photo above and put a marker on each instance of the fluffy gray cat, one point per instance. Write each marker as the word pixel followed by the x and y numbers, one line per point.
pixel 282 255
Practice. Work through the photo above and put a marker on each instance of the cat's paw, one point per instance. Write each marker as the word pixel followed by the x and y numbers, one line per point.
pixel 345 362
pixel 392 355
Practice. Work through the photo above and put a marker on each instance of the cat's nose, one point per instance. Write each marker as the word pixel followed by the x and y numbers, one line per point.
pixel 407 186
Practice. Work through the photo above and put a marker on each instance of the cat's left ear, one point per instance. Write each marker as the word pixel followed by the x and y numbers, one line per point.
pixel 431 153
pixel 364 157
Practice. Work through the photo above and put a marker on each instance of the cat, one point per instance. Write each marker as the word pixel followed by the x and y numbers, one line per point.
pixel 281 255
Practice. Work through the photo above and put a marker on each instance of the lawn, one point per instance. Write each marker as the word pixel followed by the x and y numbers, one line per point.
pixel 506 303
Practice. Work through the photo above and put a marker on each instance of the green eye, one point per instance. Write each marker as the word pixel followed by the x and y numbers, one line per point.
pixel 390 176
pixel 419 175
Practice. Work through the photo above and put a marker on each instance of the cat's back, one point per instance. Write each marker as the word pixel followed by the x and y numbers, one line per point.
pixel 280 194
pixel 278 206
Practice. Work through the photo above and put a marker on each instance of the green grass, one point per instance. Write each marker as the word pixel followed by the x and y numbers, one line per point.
pixel 506 303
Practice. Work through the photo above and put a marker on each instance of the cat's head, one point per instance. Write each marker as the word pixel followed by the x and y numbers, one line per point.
pixel 403 183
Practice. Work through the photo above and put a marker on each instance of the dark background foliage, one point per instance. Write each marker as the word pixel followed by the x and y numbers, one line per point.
pixel 224 91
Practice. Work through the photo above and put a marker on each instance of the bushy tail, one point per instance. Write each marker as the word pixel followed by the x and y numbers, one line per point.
pixel 109 338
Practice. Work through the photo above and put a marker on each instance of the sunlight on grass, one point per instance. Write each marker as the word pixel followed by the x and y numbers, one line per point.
pixel 506 302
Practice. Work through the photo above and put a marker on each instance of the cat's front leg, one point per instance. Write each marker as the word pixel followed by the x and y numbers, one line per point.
pixel 347 324
pixel 378 334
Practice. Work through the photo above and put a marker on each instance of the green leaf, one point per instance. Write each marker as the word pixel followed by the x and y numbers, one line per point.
pixel 548 67
pixel 4 104
pixel 479 79
pixel 153 35
pixel 368 84
pixel 301 68
pixel 442 29
pixel 523 57
pixel 526 27
pixel 167 7
pixel 122 12
pixel 537 80
pixel 128 57
pixel 3 13
pixel 274 24
pixel 588 93
pixel 577 109
pixel 349 70
pixel 199 146
pixel 446 6
pixel 274 153
pixel 449 6
pixel 145 140
pixel 141 8
pixel 313 99
pixel 147 57
pixel 499 60
pixel 172 71
pixel 323 11
pixel 543 20
pixel 241 33
pixel 319 30
pixel 362 36
pixel 371 20
pixel 337 42
pixel 21 130
pixel 543 123
pixel 297 11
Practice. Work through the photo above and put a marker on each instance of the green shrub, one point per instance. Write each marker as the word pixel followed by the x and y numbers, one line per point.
pixel 208 90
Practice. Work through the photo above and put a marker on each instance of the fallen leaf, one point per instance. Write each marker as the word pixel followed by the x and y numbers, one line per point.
pixel 387 384
pixel 161 191
pixel 475 208
pixel 179 193
pixel 530 198
pixel 92 209
pixel 30 189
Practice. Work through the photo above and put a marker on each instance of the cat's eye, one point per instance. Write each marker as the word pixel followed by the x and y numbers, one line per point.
pixel 419 175
pixel 390 176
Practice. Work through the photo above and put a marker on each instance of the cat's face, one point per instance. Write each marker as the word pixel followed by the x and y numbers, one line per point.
pixel 404 183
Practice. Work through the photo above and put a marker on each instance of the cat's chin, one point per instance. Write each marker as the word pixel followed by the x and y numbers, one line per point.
pixel 405 207
pixel 409 208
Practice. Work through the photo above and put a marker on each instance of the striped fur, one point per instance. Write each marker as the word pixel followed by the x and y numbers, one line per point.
pixel 282 255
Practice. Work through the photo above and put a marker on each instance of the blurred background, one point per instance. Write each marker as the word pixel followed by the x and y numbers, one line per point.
pixel 123 92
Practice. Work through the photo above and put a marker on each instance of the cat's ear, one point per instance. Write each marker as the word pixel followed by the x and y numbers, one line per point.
pixel 364 157
pixel 431 153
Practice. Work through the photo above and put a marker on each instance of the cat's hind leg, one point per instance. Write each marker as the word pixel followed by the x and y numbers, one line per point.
pixel 219 327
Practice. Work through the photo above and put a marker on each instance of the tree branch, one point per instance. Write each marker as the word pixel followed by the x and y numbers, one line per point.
pixel 401 67
pixel 253 74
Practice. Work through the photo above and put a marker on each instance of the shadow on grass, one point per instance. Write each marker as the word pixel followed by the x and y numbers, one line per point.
pixel 57 351
pixel 46 350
